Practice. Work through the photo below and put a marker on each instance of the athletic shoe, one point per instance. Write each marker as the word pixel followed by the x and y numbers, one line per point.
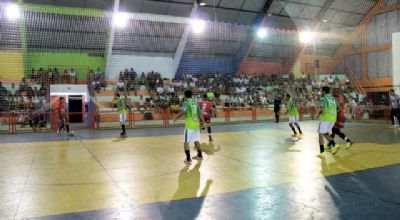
pixel 335 149
pixel 58 130
pixel 188 162
pixel 294 135
pixel 123 134
pixel 327 148
pixel 300 136
pixel 349 144
pixel 393 126
pixel 197 158
pixel 321 155
pixel 70 133
pixel 210 139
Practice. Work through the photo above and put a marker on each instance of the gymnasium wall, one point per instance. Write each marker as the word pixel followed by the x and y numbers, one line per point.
pixel 117 63
pixel 369 56
pixel 11 65
pixel 199 65
pixel 81 62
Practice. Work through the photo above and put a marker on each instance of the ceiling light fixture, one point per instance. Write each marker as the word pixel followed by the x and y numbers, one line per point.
pixel 13 12
pixel 198 26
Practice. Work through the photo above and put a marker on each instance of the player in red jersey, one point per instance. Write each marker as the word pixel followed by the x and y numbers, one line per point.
pixel 341 118
pixel 63 117
pixel 206 108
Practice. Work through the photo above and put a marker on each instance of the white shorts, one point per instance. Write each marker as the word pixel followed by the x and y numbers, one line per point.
pixel 293 119
pixel 190 135
pixel 325 127
pixel 122 117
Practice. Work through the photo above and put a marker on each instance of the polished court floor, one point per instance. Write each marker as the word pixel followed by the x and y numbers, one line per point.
pixel 251 171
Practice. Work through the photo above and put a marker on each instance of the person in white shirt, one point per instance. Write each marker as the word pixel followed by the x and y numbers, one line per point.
pixel 394 108
pixel 121 85
pixel 160 90
pixel 72 73
pixel 353 108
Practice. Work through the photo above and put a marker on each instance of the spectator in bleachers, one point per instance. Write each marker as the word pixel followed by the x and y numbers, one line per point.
pixel 55 76
pixel 160 90
pixel 33 75
pixel 121 85
pixel 21 104
pixel 65 76
pixel 72 74
pixel 103 82
pixel 98 74
pixel 133 74
pixel 42 90
pixel 23 85
pixel 3 90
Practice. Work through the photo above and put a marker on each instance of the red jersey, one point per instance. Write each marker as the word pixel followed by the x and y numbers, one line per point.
pixel 62 109
pixel 341 118
pixel 205 107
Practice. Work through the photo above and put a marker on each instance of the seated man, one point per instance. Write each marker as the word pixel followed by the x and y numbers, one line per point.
pixel 65 76
pixel 3 90
pixel 103 82
pixel 160 90
pixel 23 85
pixel 121 85
pixel 72 74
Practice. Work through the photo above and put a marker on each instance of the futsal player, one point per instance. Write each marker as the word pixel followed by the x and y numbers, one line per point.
pixel 121 108
pixel 193 116
pixel 206 108
pixel 62 116
pixel 328 115
pixel 293 116
pixel 395 108
pixel 341 119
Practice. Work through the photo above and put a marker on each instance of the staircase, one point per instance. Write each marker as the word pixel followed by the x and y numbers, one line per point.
pixel 356 83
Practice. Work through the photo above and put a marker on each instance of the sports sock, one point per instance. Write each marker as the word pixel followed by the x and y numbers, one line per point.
pixel 187 152
pixel 123 128
pixel 298 128
pixel 321 148
pixel 199 153
pixel 67 127
pixel 293 129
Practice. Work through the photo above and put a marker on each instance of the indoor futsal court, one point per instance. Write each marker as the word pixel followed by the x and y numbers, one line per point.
pixel 199 109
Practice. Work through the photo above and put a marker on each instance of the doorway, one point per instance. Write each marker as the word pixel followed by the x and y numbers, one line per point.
pixel 75 107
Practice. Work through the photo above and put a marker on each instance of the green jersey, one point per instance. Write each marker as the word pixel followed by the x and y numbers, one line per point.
pixel 329 109
pixel 292 108
pixel 192 112
pixel 121 106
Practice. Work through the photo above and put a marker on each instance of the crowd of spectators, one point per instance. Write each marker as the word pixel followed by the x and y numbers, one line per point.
pixel 53 76
pixel 96 81
pixel 240 92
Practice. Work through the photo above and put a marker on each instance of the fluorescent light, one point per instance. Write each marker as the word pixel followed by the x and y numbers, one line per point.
pixel 306 37
pixel 202 4
pixel 198 26
pixel 262 32
pixel 120 19
pixel 325 21
pixel 13 12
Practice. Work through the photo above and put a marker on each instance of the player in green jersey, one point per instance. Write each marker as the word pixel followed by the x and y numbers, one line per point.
pixel 293 114
pixel 193 117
